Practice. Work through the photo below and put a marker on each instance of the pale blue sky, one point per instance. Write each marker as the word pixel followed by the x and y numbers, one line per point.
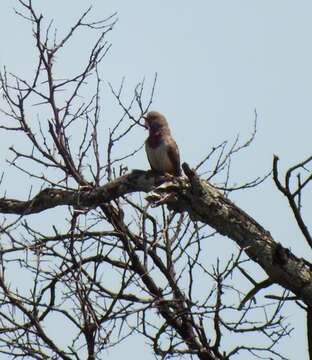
pixel 216 62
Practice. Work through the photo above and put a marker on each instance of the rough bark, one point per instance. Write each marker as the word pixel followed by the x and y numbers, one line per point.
pixel 204 203
pixel 86 196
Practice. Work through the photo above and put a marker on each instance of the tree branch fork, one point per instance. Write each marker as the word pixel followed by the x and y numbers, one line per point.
pixel 203 202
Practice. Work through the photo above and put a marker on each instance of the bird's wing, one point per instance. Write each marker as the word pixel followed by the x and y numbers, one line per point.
pixel 174 156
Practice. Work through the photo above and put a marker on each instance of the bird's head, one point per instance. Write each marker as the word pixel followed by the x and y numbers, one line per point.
pixel 155 121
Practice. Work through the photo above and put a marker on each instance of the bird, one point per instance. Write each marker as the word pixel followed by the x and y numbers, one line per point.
pixel 161 149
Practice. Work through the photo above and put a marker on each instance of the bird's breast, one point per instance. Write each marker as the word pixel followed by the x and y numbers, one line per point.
pixel 154 140
pixel 158 157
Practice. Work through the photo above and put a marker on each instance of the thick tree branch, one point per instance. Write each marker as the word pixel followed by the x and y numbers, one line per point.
pixel 204 203
pixel 86 196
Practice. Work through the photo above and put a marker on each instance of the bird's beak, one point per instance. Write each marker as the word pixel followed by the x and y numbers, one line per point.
pixel 145 122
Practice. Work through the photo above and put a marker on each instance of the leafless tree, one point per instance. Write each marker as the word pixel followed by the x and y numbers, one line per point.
pixel 110 264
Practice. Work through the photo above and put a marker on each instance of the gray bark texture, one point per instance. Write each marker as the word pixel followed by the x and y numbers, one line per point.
pixel 204 203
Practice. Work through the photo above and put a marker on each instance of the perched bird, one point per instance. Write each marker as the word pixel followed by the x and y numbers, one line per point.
pixel 161 149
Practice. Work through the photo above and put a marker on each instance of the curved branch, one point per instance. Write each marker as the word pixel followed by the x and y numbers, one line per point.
pixel 85 196
pixel 204 203
pixel 291 196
